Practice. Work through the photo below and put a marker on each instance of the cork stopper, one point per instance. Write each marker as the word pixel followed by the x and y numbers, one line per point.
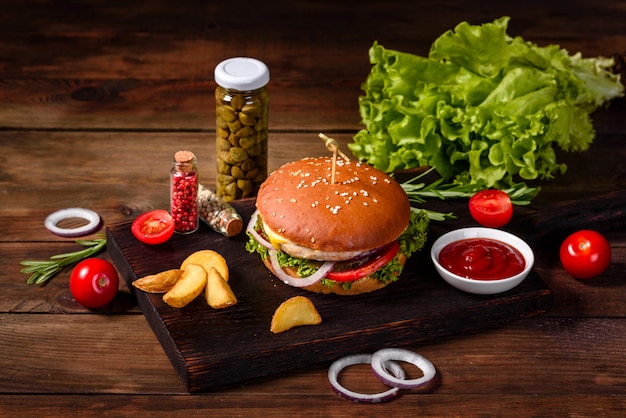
pixel 184 157
pixel 233 226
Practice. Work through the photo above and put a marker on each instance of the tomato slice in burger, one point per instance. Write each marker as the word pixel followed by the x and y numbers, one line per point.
pixel 154 227
pixel 382 258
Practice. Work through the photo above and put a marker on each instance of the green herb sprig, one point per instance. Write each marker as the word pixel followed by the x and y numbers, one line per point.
pixel 420 192
pixel 43 270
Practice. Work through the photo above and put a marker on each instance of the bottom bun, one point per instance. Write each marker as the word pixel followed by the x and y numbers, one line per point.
pixel 363 285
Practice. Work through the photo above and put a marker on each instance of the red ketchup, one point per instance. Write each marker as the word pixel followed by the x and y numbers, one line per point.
pixel 482 259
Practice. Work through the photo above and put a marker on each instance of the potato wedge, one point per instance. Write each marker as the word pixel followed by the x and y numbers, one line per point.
pixel 191 283
pixel 294 312
pixel 218 293
pixel 208 259
pixel 160 282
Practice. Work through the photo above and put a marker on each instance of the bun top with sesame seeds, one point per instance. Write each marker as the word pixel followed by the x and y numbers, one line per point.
pixel 307 215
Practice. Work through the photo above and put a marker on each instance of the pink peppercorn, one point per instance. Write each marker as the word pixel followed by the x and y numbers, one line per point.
pixel 184 192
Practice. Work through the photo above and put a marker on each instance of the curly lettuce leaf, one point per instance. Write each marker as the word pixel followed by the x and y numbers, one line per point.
pixel 482 108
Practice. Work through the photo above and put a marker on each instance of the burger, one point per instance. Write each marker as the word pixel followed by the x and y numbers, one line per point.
pixel 334 226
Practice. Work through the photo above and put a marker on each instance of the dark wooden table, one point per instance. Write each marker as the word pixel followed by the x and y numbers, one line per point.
pixel 95 98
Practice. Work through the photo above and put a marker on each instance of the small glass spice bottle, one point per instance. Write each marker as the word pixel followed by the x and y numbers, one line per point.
pixel 218 214
pixel 241 102
pixel 184 192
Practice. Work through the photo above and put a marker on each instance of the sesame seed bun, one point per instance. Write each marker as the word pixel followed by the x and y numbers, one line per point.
pixel 311 217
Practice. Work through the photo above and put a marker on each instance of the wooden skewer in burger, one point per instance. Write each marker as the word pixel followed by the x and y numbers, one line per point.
pixel 333 225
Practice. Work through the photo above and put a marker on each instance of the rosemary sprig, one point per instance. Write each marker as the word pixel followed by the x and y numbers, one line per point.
pixel 43 270
pixel 519 193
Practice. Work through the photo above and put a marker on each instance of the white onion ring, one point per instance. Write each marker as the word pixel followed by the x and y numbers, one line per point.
pixel 278 271
pixel 299 281
pixel 383 357
pixel 340 364
pixel 90 216
pixel 256 235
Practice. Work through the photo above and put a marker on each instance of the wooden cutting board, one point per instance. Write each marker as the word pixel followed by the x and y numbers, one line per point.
pixel 211 348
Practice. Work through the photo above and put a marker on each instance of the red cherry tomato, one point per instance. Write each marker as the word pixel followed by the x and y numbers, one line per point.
pixel 154 227
pixel 94 282
pixel 491 208
pixel 585 254
pixel 368 268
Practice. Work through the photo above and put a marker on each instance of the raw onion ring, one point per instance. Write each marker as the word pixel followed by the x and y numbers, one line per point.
pixel 256 235
pixel 298 281
pixel 278 271
pixel 90 216
pixel 383 357
pixel 340 364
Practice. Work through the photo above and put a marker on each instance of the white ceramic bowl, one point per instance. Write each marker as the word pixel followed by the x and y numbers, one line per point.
pixel 482 287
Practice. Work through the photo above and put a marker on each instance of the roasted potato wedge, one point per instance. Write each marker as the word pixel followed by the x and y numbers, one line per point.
pixel 160 282
pixel 191 283
pixel 294 312
pixel 208 259
pixel 218 293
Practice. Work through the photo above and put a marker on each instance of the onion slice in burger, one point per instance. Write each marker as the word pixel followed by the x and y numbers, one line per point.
pixel 278 271
pixel 382 358
pixel 298 281
pixel 256 235
pixel 339 365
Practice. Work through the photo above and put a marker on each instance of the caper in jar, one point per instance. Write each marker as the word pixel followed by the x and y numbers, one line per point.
pixel 241 142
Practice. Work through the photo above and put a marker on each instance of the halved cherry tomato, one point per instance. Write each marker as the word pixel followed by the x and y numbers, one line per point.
pixel 94 282
pixel 491 208
pixel 585 254
pixel 368 268
pixel 154 227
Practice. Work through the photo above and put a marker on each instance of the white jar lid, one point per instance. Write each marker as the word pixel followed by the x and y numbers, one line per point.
pixel 242 73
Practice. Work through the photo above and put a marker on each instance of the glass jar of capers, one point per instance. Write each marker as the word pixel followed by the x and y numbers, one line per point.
pixel 241 111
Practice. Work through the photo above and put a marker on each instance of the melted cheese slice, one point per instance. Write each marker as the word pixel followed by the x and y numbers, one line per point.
pixel 275 239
